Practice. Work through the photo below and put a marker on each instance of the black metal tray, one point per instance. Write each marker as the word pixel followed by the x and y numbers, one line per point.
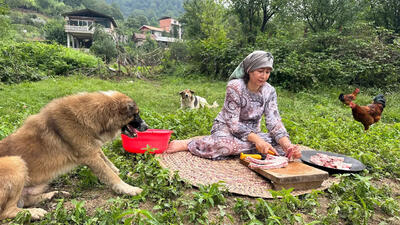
pixel 356 166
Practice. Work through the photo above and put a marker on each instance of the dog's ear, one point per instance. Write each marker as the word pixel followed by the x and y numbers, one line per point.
pixel 132 107
pixel 129 109
pixel 181 93
pixel 191 91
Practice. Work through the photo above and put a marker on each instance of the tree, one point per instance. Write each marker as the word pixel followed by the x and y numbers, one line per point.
pixel 202 18
pixel 27 4
pixel 153 9
pixel 255 14
pixel 133 23
pixel 103 45
pixel 72 3
pixel 116 12
pixel 4 21
pixel 322 15
pixel 54 31
pixel 102 7
pixel 206 27
pixel 385 13
pixel 191 19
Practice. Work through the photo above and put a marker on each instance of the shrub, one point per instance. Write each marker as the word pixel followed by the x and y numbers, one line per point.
pixel 54 31
pixel 335 58
pixel 33 61
pixel 103 45
pixel 359 55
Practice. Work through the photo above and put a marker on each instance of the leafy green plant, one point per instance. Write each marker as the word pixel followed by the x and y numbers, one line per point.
pixel 30 61
pixel 355 199
pixel 244 209
pixel 208 196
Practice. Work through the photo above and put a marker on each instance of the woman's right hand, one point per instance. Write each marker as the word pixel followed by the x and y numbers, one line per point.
pixel 265 148
pixel 262 146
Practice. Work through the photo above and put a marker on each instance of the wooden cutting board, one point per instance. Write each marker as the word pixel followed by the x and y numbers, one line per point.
pixel 296 175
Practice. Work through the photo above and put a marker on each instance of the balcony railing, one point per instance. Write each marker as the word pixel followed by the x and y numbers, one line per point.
pixel 83 29
pixel 79 29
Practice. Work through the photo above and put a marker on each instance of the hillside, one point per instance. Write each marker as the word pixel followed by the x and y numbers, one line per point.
pixel 119 9
pixel 33 19
pixel 152 9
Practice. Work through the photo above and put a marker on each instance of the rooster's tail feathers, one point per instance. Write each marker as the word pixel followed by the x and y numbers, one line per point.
pixel 341 97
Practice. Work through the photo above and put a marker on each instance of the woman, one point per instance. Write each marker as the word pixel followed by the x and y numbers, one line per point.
pixel 237 127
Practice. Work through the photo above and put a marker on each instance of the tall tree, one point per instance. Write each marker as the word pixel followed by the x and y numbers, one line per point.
pixel 204 19
pixel 4 21
pixel 103 45
pixel 27 4
pixel 322 15
pixel 255 14
pixel 135 21
pixel 191 19
pixel 102 7
pixel 386 13
pixel 54 31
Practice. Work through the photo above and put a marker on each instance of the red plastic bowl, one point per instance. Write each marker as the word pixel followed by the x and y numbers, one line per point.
pixel 155 138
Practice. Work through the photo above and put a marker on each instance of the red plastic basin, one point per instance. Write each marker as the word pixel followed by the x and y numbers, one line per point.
pixel 157 139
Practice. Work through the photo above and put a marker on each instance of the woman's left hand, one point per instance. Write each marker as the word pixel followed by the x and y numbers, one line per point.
pixel 293 152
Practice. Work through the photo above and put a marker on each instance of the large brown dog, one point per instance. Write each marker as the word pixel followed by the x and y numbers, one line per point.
pixel 67 132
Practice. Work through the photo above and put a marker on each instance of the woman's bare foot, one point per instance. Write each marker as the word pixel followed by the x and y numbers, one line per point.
pixel 177 146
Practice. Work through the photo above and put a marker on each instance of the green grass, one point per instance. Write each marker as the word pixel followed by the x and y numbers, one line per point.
pixel 314 118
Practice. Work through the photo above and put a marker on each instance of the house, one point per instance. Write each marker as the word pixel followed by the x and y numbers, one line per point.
pixel 79 26
pixel 172 26
pixel 157 32
pixel 167 26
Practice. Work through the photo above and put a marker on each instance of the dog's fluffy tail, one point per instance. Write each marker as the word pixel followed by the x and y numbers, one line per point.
pixel 214 105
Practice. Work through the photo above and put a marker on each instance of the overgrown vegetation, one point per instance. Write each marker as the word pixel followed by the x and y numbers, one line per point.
pixel 103 45
pixel 35 61
pixel 313 118
pixel 333 47
pixel 345 43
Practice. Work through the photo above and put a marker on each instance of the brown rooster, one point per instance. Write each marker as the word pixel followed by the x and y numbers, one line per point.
pixel 346 99
pixel 369 114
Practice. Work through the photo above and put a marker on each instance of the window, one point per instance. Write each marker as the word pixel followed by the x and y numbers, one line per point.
pixel 73 22
pixel 83 23
pixel 106 24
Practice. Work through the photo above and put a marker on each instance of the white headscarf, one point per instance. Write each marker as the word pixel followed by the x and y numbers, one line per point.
pixel 255 60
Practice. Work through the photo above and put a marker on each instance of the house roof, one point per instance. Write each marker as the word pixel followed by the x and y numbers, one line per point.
pixel 165 17
pixel 89 13
pixel 151 28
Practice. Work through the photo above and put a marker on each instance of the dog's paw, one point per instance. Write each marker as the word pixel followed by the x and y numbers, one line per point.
pixel 51 195
pixel 124 188
pixel 37 213
pixel 64 193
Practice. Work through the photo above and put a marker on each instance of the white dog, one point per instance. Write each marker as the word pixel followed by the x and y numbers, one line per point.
pixel 191 101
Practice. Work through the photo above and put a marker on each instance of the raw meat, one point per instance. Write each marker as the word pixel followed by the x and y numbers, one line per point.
pixel 330 161
pixel 270 162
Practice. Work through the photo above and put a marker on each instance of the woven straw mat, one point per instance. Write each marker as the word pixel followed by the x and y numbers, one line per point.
pixel 237 178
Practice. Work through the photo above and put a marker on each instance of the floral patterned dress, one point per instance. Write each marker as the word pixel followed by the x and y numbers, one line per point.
pixel 241 115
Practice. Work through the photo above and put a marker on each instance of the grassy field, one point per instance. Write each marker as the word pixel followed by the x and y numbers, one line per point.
pixel 314 118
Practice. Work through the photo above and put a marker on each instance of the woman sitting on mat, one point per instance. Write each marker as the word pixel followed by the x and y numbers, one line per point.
pixel 237 127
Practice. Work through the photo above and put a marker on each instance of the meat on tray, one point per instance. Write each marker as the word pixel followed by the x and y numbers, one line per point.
pixel 330 161
pixel 270 162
